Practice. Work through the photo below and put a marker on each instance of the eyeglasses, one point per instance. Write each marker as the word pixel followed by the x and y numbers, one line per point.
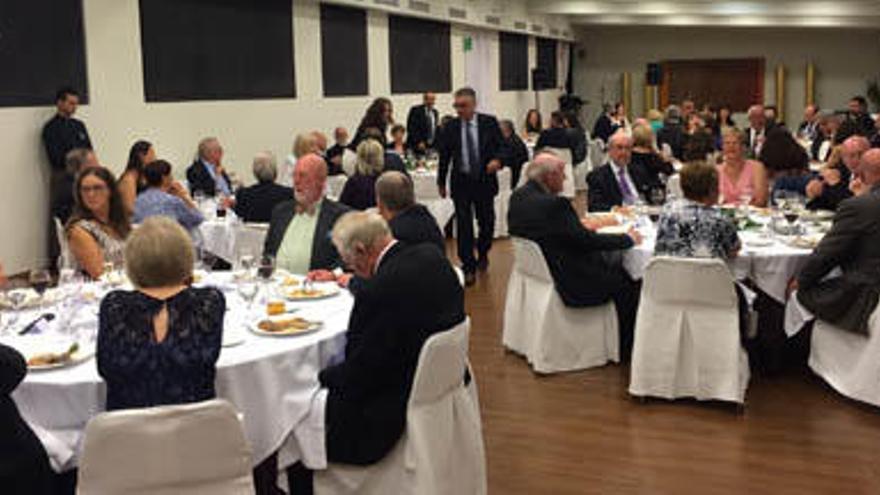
pixel 92 189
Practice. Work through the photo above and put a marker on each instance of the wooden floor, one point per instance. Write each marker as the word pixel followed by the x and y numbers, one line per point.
pixel 581 433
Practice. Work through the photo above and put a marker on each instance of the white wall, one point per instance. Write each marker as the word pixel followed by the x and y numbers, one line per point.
pixel 117 114
pixel 844 59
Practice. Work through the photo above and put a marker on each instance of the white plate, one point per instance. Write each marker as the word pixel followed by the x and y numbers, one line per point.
pixel 30 346
pixel 313 327
pixel 31 298
pixel 327 291
pixel 759 242
pixel 232 338
pixel 76 358
pixel 615 229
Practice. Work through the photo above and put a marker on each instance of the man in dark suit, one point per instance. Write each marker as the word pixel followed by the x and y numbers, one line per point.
pixel 63 132
pixel 365 412
pixel 335 152
pixel 573 252
pixel 858 114
pixel 299 232
pixel 832 185
pixel 256 203
pixel 617 183
pixel 421 124
pixel 206 174
pixel 557 136
pixel 410 222
pixel 756 133
pixel 848 301
pixel 809 127
pixel 672 132
pixel 472 144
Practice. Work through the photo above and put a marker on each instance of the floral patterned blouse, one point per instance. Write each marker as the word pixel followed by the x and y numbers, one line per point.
pixel 141 372
pixel 692 230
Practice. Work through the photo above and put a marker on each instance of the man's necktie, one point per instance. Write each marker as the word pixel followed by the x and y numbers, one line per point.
pixel 471 149
pixel 625 190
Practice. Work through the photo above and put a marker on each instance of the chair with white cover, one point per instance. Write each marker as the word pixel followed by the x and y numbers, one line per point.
pixel 849 362
pixel 597 153
pixel 568 187
pixel 552 336
pixel 65 259
pixel 335 185
pixel 441 452
pixel 190 449
pixel 673 187
pixel 349 162
pixel 687 341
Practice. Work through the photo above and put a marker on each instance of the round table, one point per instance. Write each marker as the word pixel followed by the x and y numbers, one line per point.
pixel 229 238
pixel 270 380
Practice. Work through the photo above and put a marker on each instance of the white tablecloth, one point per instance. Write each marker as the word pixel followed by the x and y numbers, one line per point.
pixel 770 268
pixel 229 238
pixel 270 380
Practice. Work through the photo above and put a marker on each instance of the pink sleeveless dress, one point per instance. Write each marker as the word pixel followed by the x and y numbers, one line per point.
pixel 730 192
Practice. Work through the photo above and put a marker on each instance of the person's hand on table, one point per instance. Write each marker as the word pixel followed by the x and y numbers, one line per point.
pixel 857 187
pixel 493 166
pixel 592 223
pixel 635 236
pixel 344 279
pixel 228 202
pixel 321 276
pixel 815 188
pixel 831 176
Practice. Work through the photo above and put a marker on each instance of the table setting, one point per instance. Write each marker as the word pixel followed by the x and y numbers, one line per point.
pixel 279 331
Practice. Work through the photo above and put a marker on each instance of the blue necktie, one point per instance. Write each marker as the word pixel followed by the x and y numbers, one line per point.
pixel 470 149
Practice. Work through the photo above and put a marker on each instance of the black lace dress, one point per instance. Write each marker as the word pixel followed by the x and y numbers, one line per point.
pixel 141 372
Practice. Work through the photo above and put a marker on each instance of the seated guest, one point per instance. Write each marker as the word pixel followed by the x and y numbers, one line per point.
pixel 398 139
pixel 299 231
pixel 359 192
pixel 672 133
pixel 782 155
pixel 334 154
pixel 823 143
pixel 159 343
pixel 367 393
pixel 206 174
pixel 132 182
pixel 379 115
pixel 875 138
pixel 166 197
pixel 320 143
pixel 613 118
pixel 392 160
pixel 808 129
pixel 63 201
pixel 741 180
pixel 723 121
pixel 699 141
pixel 24 465
pixel 573 252
pixel 655 119
pixel 616 183
pixel 410 222
pixel 514 152
pixel 556 136
pixel 859 116
pixel 303 144
pixel 848 301
pixel 832 186
pixel 255 203
pixel 534 125
pixel 645 156
pixel 692 227
pixel 98 226
pixel 753 136
pixel 578 136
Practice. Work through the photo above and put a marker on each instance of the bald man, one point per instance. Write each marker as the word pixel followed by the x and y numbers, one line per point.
pixel 299 232
pixel 757 130
pixel 833 184
pixel 616 183
pixel 847 301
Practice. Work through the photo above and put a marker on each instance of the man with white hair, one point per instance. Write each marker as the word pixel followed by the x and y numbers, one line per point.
pixel 833 184
pixel 617 183
pixel 574 253
pixel 848 301
pixel 412 293
pixel 757 131
pixel 255 203
pixel 299 231
pixel 207 174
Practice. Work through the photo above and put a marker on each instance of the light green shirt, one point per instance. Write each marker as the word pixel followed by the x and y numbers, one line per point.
pixel 295 252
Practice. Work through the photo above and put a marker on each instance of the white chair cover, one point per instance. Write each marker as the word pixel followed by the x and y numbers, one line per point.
pixel 538 325
pixel 442 450
pixel 568 187
pixel 190 449
pixel 597 153
pixel 850 363
pixel 349 162
pixel 65 258
pixel 687 341
pixel 524 174
pixel 673 187
pixel 335 184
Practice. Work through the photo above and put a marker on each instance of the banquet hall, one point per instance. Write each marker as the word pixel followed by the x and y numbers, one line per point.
pixel 447 247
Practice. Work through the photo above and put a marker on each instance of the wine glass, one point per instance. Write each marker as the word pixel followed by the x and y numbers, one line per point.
pixel 247 289
pixel 40 278
pixel 246 265
pixel 266 267
pixel 658 196
pixel 780 197
pixel 15 298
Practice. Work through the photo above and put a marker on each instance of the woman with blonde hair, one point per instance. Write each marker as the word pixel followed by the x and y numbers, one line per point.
pixel 360 189
pixel 303 144
pixel 645 154
pixel 740 181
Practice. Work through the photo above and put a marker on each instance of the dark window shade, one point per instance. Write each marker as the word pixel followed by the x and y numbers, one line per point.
pixel 344 51
pixel 546 60
pixel 217 49
pixel 735 82
pixel 419 54
pixel 514 61
pixel 42 48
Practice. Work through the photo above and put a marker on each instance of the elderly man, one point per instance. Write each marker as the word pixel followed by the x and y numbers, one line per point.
pixel 809 128
pixel 847 301
pixel 672 133
pixel 757 131
pixel 335 152
pixel 256 203
pixel 410 222
pixel 299 231
pixel 367 393
pixel 573 252
pixel 829 124
pixel 616 183
pixel 421 124
pixel 206 174
pixel 833 184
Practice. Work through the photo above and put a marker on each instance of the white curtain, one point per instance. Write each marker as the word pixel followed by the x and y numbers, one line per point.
pixel 562 63
pixel 477 70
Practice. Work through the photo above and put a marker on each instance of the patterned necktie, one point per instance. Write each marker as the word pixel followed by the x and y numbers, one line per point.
pixel 470 149
pixel 625 190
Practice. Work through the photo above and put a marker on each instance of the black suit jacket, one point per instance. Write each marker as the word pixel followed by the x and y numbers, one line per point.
pixel 574 254
pixel 851 244
pixel 324 254
pixel 416 225
pixel 603 191
pixel 256 203
pixel 414 294
pixel 418 127
pixel 604 128
pixel 200 180
pixel 61 135
pixel 24 465
pixel 451 148
pixel 558 137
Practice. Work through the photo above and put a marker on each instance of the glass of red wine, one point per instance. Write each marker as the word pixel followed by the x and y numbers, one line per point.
pixel 40 279
pixel 266 268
